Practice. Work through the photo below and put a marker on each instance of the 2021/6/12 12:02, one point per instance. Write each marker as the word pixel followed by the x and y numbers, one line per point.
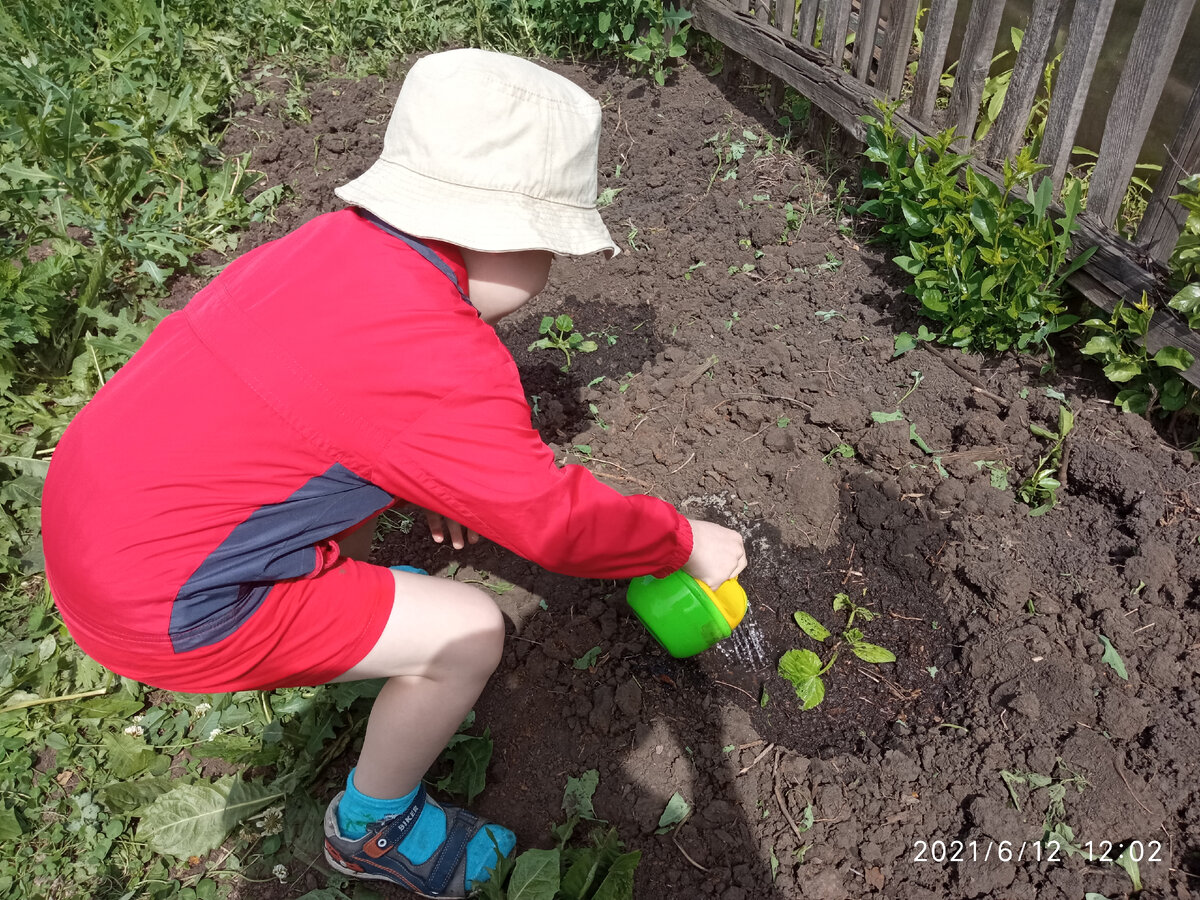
pixel 956 851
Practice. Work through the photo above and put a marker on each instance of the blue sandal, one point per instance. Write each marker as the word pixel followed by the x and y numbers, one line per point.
pixel 376 856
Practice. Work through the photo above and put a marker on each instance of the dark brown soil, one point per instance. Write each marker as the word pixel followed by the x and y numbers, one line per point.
pixel 996 616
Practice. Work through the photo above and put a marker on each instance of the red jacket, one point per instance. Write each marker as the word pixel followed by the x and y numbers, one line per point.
pixel 317 380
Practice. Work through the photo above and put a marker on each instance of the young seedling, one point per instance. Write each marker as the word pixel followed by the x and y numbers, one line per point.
pixel 1040 490
pixel 560 334
pixel 804 668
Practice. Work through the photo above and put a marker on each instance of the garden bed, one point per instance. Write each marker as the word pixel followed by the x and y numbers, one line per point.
pixel 746 336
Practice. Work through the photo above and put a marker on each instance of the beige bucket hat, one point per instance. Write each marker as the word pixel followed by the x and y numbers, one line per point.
pixel 489 152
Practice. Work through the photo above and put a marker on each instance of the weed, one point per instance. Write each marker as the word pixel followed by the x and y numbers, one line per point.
pixel 831 264
pixel 845 451
pixel 826 314
pixel 607 196
pixel 1040 489
pixel 560 334
pixel 804 668
pixel 687 276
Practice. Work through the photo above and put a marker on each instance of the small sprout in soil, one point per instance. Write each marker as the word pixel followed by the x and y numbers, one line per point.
pixel 729 748
pixel 560 334
pixel 782 421
pixel 584 450
pixel 677 810
pixel 744 269
pixel 845 451
pixel 745 243
pixel 932 670
pixel 626 380
pixel 535 405
pixel 607 196
pixel 595 411
pixel 588 660
pixel 804 668
pixel 826 314
pixel 1040 489
pixel 596 381
pixel 764 699
pixel 608 336
pixel 577 799
pixel 687 276
pixel 831 264
pixel 997 473
pixel 774 865
pixel 1113 659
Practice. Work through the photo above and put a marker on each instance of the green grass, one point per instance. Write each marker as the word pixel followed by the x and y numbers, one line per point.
pixel 112 182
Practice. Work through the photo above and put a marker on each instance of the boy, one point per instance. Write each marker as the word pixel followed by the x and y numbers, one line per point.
pixel 208 515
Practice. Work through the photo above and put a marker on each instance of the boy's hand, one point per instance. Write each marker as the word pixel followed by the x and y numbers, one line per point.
pixel 718 553
pixel 439 525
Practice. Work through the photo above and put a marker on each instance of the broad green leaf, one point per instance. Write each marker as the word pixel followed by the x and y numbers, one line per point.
pixel 1122 371
pixel 983 217
pixel 840 602
pixel 1101 343
pixel 535 876
pixel 469 756
pixel 1134 401
pixel 125 797
pixel 801 668
pixel 192 819
pixel 127 755
pixel 577 799
pixel 677 810
pixel 618 881
pixel 10 825
pixel 1187 301
pixel 908 264
pixel 872 653
pixel 1113 659
pixel 1175 357
pixel 904 343
pixel 1129 863
pixel 811 626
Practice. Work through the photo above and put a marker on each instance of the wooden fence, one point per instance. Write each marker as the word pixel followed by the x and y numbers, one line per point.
pixel 864 52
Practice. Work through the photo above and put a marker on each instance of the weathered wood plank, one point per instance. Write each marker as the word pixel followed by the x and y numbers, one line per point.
pixel 832 89
pixel 762 11
pixel 1110 275
pixel 1008 132
pixel 806 31
pixel 785 15
pixel 864 38
pixel 1155 42
pixel 938 26
pixel 1160 226
pixel 837 26
pixel 1085 36
pixel 974 60
pixel 901 22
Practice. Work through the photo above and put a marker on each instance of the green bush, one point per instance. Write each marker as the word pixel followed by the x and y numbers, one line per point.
pixel 987 264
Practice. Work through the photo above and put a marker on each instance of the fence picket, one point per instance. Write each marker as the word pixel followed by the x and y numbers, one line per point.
pixel 1164 218
pixel 837 26
pixel 762 11
pixel 901 21
pixel 1155 42
pixel 864 38
pixel 785 15
pixel 938 26
pixel 1089 24
pixel 983 25
pixel 1009 129
pixel 806 32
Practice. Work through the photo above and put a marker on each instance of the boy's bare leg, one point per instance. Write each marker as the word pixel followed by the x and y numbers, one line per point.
pixel 441 643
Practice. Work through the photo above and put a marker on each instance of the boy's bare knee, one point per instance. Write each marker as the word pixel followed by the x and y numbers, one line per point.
pixel 484 644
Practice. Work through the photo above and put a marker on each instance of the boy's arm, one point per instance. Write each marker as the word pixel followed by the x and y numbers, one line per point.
pixel 476 459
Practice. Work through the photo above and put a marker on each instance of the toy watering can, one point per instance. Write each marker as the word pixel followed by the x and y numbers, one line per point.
pixel 684 615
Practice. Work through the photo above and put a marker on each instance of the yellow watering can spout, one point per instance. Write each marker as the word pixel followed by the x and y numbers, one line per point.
pixel 730 599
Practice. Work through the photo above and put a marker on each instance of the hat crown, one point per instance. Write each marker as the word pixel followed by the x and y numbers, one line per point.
pixel 494 122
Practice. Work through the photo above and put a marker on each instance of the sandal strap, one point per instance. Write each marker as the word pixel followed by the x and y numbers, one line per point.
pixel 397 828
pixel 451 858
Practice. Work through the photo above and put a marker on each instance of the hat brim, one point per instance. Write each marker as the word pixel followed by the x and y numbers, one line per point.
pixel 490 221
